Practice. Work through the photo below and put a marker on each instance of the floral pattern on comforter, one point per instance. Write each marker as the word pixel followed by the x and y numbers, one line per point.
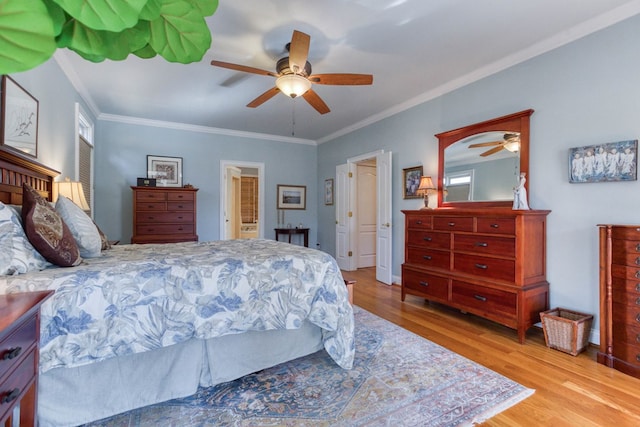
pixel 140 297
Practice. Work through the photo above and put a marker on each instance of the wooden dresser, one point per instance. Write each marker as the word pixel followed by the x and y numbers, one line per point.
pixel 620 298
pixel 19 352
pixel 487 261
pixel 164 215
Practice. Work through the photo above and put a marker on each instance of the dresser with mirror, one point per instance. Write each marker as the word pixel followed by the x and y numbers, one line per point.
pixel 474 251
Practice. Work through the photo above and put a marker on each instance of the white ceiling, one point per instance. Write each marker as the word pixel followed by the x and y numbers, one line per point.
pixel 416 50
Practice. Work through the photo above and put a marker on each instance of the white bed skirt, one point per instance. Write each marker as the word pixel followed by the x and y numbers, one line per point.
pixel 74 396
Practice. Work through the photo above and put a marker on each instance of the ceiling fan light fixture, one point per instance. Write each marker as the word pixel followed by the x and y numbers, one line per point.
pixel 293 85
pixel 513 146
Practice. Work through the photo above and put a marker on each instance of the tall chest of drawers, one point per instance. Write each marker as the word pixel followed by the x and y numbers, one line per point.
pixel 620 298
pixel 488 261
pixel 164 215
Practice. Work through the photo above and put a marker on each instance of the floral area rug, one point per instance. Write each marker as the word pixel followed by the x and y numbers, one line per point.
pixel 398 379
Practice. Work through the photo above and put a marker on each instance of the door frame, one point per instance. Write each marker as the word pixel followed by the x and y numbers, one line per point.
pixel 224 164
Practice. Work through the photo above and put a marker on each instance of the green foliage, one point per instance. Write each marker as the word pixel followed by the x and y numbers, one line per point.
pixel 30 30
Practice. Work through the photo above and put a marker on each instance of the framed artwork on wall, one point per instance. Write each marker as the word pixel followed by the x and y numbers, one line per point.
pixel 328 191
pixel 410 182
pixel 613 161
pixel 167 171
pixel 19 118
pixel 292 196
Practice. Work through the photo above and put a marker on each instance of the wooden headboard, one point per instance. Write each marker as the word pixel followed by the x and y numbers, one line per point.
pixel 16 170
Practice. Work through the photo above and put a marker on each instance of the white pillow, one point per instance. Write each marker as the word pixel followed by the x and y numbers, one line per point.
pixel 17 255
pixel 82 228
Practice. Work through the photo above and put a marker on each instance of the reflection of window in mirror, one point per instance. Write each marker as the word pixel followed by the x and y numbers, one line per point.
pixel 458 186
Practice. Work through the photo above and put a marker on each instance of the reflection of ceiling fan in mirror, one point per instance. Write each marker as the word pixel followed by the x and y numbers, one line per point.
pixel 294 76
pixel 510 142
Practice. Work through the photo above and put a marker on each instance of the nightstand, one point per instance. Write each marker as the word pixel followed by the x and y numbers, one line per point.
pixel 19 352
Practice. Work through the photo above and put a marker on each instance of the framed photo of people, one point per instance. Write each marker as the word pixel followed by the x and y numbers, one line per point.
pixel 411 182
pixel 613 161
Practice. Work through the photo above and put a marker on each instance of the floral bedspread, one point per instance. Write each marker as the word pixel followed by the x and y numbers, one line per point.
pixel 140 297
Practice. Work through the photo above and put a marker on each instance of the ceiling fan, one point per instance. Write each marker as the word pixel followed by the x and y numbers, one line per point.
pixel 294 78
pixel 510 142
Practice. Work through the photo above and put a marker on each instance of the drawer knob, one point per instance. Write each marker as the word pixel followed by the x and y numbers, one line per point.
pixel 482 244
pixel 638 357
pixel 180 228
pixel 13 395
pixel 638 301
pixel 482 266
pixel 12 354
pixel 179 217
pixel 480 298
pixel 637 274
pixel 424 283
pixel 495 226
pixel 637 261
pixel 638 338
pixel 427 239
pixel 638 317
pixel 150 206
pixel 452 224
pixel 420 223
pixel 638 287
pixel 638 247
pixel 180 207
pixel 428 258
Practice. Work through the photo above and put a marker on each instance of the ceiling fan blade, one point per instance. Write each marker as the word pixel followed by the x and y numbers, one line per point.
pixel 486 144
pixel 243 68
pixel 264 97
pixel 342 79
pixel 316 102
pixel 492 151
pixel 298 51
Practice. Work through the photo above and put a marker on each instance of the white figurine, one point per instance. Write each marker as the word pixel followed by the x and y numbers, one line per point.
pixel 520 195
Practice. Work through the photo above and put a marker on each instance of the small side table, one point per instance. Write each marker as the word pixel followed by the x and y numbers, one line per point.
pixel 19 352
pixel 292 231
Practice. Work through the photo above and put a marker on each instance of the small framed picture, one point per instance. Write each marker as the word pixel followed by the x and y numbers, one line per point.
pixel 613 161
pixel 19 119
pixel 167 171
pixel 411 182
pixel 292 196
pixel 328 191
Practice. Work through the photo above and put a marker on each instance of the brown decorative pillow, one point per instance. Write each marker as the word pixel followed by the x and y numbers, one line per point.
pixel 46 230
pixel 103 238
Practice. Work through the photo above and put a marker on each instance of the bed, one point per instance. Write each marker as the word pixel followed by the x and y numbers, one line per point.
pixel 142 324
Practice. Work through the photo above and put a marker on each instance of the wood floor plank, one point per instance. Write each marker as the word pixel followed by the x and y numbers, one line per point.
pixel 570 391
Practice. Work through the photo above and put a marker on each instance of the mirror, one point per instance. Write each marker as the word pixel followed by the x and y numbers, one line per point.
pixel 480 164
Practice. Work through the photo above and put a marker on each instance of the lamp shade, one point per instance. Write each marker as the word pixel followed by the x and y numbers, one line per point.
pixel 73 191
pixel 293 85
pixel 426 183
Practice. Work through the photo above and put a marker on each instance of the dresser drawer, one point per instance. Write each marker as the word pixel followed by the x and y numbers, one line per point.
pixel 629 353
pixel 624 285
pixel 423 222
pixel 151 206
pixel 180 206
pixel 151 196
pixel 425 284
pixel 482 299
pixel 496 225
pixel 626 233
pixel 485 244
pixel 430 239
pixel 429 258
pixel 180 197
pixel 16 344
pixel 624 334
pixel 493 268
pixel 625 252
pixel 144 230
pixel 626 314
pixel 625 272
pixel 453 223
pixel 624 296
pixel 164 217
pixel 18 381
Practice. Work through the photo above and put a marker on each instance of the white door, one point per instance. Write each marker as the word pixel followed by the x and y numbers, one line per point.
pixel 232 179
pixel 226 190
pixel 384 255
pixel 342 216
pixel 366 215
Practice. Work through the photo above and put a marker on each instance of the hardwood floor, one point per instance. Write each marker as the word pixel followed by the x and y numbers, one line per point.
pixel 570 391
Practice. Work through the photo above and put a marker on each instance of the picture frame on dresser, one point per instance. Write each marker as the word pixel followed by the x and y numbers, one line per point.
pixel 410 182
pixel 18 118
pixel 166 170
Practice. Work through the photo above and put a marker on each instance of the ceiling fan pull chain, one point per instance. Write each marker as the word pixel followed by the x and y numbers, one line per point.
pixel 293 117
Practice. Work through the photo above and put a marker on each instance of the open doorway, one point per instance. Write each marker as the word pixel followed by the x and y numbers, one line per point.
pixel 241 200
pixel 363 214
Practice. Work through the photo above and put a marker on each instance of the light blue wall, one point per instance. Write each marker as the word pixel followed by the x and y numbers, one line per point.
pixel 122 157
pixel 584 93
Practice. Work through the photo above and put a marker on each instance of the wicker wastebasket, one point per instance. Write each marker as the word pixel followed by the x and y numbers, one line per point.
pixel 566 330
